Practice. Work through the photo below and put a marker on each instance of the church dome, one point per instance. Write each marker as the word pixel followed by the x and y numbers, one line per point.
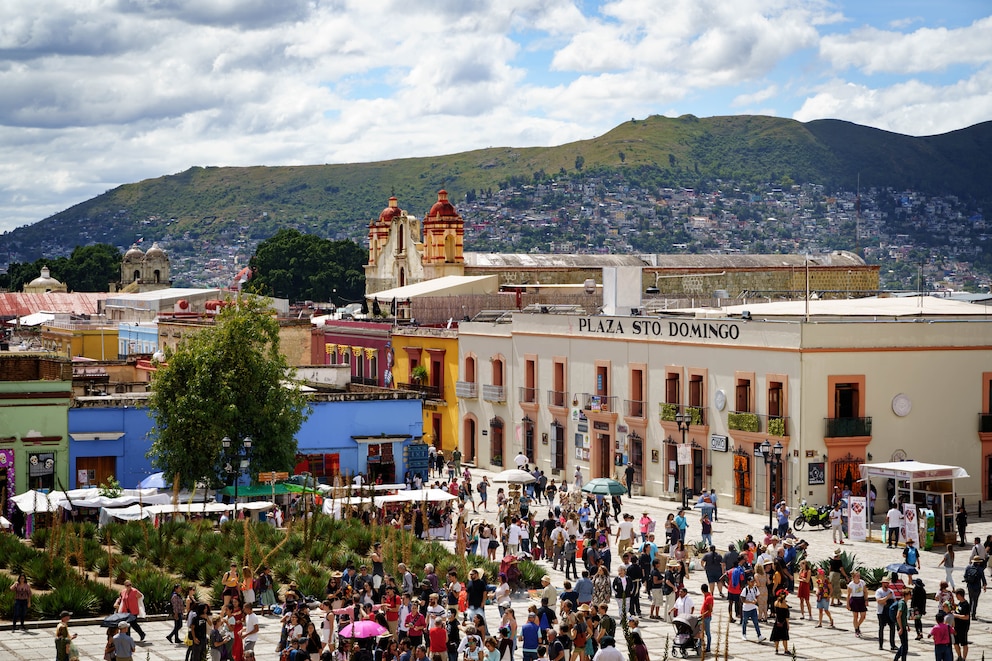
pixel 442 208
pixel 390 212
pixel 45 279
pixel 134 254
pixel 154 251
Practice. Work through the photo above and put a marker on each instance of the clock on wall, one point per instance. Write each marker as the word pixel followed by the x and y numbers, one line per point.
pixel 720 400
pixel 901 405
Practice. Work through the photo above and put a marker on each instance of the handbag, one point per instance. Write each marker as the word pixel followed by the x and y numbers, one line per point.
pixel 189 639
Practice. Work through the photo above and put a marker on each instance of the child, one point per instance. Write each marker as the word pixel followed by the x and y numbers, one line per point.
pixel 492 654
pixel 941 634
pixel 823 598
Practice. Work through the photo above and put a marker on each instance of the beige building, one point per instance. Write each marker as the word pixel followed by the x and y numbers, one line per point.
pixel 837 383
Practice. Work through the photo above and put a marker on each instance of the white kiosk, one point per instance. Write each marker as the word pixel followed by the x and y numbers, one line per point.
pixel 928 486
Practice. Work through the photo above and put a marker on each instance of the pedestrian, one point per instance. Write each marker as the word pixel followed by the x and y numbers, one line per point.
pixel 628 474
pixel 857 601
pixel 749 609
pixel 941 635
pixel 804 587
pixel 836 523
pixel 177 611
pixel 706 613
pixel 918 606
pixel 823 598
pixel 63 639
pixel 974 580
pixel 894 520
pixel 947 562
pixel 706 529
pixel 713 568
pixel 716 516
pixel 961 521
pixel 22 601
pixel 129 602
pixel 123 643
pixel 837 570
pixel 902 625
pixel 884 596
pixel 576 479
pixel 963 614
pixel 780 630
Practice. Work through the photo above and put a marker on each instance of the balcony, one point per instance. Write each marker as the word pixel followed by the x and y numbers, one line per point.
pixel 985 423
pixel 777 425
pixel 491 393
pixel 604 403
pixel 697 413
pixel 844 427
pixel 744 421
pixel 364 380
pixel 429 392
pixel 634 408
pixel 466 389
pixel 527 395
pixel 558 398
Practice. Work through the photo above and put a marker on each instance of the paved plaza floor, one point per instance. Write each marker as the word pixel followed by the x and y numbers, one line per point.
pixel 808 641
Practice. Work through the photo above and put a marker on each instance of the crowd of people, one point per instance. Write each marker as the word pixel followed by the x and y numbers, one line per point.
pixel 615 567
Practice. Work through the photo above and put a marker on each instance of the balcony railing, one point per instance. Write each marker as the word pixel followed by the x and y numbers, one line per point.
pixel 744 421
pixel 843 427
pixel 364 380
pixel 466 389
pixel 985 422
pixel 697 413
pixel 634 408
pixel 605 403
pixel 557 398
pixel 491 393
pixel 528 395
pixel 430 392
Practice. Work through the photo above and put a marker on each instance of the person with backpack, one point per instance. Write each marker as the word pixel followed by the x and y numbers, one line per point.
pixel 736 580
pixel 885 597
pixel 899 613
pixel 911 554
pixel 974 579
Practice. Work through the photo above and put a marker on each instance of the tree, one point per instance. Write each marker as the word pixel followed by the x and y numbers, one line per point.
pixel 300 267
pixel 227 380
pixel 580 160
pixel 93 268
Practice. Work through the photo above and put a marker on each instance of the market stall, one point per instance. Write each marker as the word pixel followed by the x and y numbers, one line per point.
pixel 927 495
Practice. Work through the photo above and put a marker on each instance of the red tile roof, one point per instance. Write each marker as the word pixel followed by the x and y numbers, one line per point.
pixel 19 304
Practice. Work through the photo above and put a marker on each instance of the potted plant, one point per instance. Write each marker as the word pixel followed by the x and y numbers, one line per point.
pixel 419 374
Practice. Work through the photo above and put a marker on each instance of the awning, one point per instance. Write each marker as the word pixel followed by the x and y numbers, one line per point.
pixel 913 471
pixel 416 496
pixel 258 491
pixel 388 438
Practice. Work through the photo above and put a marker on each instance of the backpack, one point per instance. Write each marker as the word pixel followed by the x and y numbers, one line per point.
pixel 972 574
pixel 580 635
pixel 894 611
pixel 735 577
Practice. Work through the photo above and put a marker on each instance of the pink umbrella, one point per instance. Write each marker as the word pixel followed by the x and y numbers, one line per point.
pixel 362 629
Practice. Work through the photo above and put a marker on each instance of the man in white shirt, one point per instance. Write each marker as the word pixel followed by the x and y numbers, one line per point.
pixel 749 609
pixel 521 460
pixel 250 632
pixel 683 604
pixel 557 538
pixel 837 524
pixel 894 521
pixel 577 479
pixel 608 650
pixel 883 597
pixel 625 534
pixel 513 536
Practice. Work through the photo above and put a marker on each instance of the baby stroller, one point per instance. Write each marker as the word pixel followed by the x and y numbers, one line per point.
pixel 686 635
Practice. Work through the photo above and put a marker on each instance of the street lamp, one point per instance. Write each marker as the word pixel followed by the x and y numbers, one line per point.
pixel 243 460
pixel 683 420
pixel 773 458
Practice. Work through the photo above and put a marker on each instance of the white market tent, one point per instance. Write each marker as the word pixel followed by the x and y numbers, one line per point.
pixel 416 496
pixel 31 502
pixel 332 506
pixel 915 472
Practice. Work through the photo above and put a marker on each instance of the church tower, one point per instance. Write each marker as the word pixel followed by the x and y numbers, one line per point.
pixel 444 240
pixel 394 250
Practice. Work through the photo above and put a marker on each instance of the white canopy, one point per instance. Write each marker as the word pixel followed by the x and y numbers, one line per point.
pixel 914 471
pixel 30 502
pixel 416 496
pixel 332 506
pixel 514 476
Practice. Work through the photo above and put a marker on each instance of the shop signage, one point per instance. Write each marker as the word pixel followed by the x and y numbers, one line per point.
pixel 718 443
pixel 690 330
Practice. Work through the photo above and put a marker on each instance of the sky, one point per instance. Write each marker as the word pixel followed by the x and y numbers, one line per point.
pixel 98 93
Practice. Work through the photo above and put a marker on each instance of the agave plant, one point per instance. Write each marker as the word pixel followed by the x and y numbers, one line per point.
pixel 72 596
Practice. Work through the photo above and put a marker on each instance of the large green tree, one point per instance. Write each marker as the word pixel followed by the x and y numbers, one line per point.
pixel 301 267
pixel 88 268
pixel 228 380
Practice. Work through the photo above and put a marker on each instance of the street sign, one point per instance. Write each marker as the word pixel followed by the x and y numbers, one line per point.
pixel 272 476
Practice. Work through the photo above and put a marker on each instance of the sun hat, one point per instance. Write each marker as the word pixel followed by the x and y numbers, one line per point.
pixel 836 551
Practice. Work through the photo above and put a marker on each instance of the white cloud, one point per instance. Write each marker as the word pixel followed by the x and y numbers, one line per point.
pixel 754 98
pixel 912 107
pixel 926 49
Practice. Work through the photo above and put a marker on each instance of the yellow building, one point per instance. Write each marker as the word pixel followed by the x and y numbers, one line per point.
pixel 435 350
pixel 75 338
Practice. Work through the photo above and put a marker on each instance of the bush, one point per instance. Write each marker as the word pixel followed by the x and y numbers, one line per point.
pixel 44 572
pixel 71 596
pixel 157 588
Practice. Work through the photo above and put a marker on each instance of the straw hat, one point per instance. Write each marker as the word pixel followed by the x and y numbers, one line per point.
pixel 836 552
pixel 584 608
pixel 672 562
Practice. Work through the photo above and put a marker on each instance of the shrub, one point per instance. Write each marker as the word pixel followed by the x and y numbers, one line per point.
pixel 72 596
pixel 6 604
pixel 743 421
pixel 157 588
pixel 44 572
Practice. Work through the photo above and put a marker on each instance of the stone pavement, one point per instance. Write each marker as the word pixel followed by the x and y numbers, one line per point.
pixel 809 642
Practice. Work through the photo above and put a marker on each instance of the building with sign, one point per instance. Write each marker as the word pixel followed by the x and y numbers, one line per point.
pixel 830 384
pixel 34 397
pixel 435 352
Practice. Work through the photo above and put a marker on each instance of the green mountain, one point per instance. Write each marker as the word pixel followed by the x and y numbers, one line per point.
pixel 204 205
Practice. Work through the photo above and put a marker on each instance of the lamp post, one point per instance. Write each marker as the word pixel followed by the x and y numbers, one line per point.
pixel 773 458
pixel 683 421
pixel 243 460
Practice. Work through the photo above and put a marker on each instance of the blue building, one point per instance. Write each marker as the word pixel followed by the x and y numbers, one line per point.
pixel 346 434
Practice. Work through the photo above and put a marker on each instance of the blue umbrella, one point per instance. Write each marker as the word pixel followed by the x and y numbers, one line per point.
pixel 153 481
pixel 604 486
pixel 902 568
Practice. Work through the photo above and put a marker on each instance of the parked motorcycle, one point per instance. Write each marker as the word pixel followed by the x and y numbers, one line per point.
pixel 813 515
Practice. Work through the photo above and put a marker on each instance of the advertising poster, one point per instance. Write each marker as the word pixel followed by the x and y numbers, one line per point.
pixel 911 524
pixel 684 454
pixel 856 519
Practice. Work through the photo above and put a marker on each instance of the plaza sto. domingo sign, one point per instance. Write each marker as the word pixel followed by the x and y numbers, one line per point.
pixel 688 330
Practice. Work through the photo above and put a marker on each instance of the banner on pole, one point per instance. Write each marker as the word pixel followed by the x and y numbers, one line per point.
pixel 857 527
